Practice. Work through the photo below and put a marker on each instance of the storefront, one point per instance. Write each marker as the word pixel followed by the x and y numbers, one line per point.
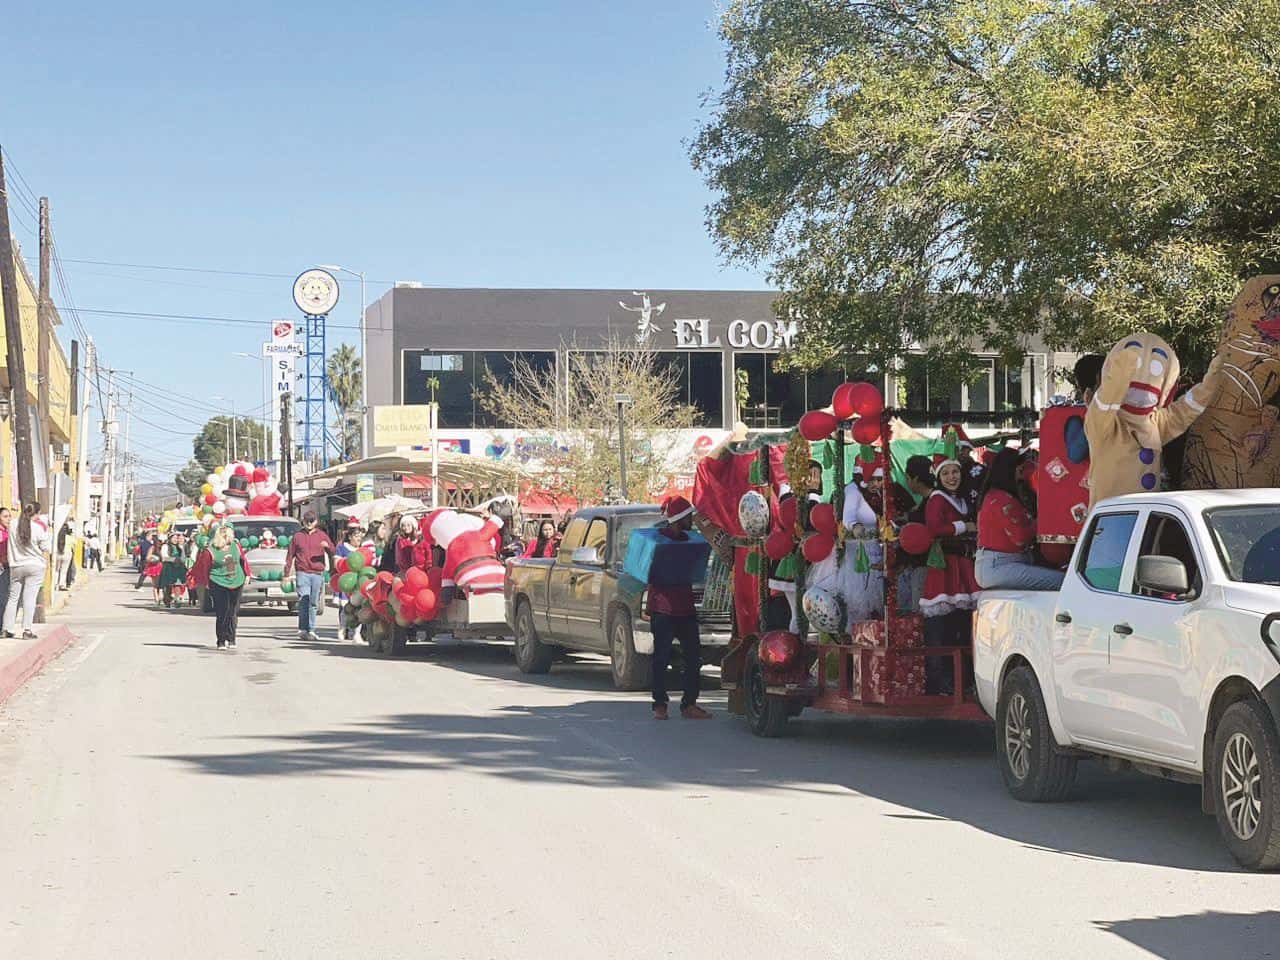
pixel 711 341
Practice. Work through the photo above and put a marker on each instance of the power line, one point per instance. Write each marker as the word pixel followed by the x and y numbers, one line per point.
pixel 196 318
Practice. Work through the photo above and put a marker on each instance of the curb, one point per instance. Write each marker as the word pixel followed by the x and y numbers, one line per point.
pixel 27 663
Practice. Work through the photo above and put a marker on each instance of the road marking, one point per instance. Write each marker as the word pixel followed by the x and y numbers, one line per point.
pixel 87 652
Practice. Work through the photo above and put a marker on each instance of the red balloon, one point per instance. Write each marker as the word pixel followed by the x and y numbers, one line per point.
pixel 817 425
pixel 408 597
pixel 1057 554
pixel 341 565
pixel 842 400
pixel 417 579
pixel 370 555
pixel 866 430
pixel 367 588
pixel 435 576
pixel 818 546
pixel 866 400
pixel 823 518
pixel 333 584
pixel 915 538
pixel 778 648
pixel 787 514
pixel 210 499
pixel 427 603
pixel 779 544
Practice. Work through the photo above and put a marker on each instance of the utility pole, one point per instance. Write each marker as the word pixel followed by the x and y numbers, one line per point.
pixel 286 448
pixel 623 400
pixel 80 498
pixel 126 473
pixel 44 321
pixel 109 428
pixel 17 362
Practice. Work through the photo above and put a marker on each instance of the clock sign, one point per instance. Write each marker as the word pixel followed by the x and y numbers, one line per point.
pixel 315 292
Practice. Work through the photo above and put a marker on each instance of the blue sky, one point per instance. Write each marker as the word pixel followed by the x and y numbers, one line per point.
pixel 469 144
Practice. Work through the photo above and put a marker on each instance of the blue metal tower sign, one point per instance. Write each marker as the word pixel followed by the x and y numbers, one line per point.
pixel 316 293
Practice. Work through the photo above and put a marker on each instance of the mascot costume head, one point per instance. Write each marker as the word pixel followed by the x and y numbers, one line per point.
pixel 1131 419
pixel 1236 444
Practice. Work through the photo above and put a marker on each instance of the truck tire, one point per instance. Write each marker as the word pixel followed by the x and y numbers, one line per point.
pixel 631 670
pixel 1246 776
pixel 1033 768
pixel 397 639
pixel 532 655
pixel 766 713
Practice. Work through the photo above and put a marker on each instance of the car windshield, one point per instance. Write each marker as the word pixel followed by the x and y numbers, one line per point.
pixel 1248 541
pixel 280 526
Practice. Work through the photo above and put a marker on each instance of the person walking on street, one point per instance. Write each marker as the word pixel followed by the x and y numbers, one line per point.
pixel 62 547
pixel 144 551
pixel 94 551
pixel 222 568
pixel 6 517
pixel 307 553
pixel 29 542
pixel 673 617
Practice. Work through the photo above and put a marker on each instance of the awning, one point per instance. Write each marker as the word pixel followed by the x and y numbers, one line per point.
pixel 457 469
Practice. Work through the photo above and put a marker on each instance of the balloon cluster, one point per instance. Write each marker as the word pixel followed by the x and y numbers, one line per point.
pixel 861 400
pixel 239 488
pixel 382 599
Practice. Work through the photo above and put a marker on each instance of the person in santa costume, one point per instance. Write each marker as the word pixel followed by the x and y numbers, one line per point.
pixel 950 589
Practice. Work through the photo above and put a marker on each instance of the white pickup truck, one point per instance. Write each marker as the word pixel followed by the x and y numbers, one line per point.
pixel 1161 652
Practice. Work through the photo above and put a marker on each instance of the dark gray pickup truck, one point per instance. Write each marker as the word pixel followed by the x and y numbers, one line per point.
pixel 581 600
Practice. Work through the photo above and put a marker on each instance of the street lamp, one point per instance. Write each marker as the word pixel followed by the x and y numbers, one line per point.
pixel 266 403
pixel 364 372
pixel 231 431
pixel 623 400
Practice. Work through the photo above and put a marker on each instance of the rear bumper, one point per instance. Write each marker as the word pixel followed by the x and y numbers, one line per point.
pixel 265 593
pixel 710 635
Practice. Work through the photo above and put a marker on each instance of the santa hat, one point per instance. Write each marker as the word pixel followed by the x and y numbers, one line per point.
pixel 676 508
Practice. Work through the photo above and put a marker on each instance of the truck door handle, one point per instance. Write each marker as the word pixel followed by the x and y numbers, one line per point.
pixel 1123 628
pixel 1063 617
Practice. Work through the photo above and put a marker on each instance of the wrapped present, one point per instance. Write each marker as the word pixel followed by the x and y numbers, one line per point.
pixel 658 560
pixel 882 677
pixel 907 632
pixel 867 633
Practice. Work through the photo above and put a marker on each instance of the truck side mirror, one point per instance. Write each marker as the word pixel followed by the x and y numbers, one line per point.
pixel 587 555
pixel 1162 575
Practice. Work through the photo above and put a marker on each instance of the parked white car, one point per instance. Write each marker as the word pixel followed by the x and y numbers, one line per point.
pixel 1160 652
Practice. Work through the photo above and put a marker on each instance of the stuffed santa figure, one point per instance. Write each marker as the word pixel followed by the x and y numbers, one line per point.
pixel 470 545
pixel 265 492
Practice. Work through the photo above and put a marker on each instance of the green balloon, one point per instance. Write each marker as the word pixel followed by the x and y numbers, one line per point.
pixel 348 582
pixel 367 574
pixel 254 541
pixel 283 541
pixel 288 587
pixel 355 561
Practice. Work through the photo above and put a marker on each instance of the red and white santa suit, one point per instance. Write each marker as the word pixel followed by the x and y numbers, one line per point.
pixel 954 586
pixel 470 545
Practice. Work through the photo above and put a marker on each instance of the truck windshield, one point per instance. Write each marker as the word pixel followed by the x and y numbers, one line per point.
pixel 253 527
pixel 1248 541
pixel 628 522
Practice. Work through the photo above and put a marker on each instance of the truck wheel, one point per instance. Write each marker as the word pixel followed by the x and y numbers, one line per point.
pixel 1033 768
pixel 532 655
pixel 1246 774
pixel 766 713
pixel 631 670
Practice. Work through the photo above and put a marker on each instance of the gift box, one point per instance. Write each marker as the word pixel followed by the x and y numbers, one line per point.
pixel 880 676
pixel 658 560
pixel 907 632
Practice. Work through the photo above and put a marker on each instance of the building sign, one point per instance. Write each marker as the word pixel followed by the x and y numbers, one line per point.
pixel 696 333
pixel 401 426
pixel 281 350
pixel 364 488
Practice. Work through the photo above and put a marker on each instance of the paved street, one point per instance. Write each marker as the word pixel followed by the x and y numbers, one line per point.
pixel 162 799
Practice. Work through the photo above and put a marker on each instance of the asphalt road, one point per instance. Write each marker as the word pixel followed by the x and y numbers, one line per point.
pixel 162 799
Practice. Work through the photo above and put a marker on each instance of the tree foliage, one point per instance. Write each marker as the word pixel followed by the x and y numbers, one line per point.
pixel 210 449
pixel 929 172
pixel 345 389
pixel 579 457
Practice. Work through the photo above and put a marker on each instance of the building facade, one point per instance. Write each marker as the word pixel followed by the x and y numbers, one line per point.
pixel 712 341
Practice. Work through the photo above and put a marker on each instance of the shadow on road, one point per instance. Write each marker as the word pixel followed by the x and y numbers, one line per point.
pixel 936 770
pixel 1242 936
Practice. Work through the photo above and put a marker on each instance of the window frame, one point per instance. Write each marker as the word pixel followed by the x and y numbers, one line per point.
pixel 1196 582
pixel 603 550
pixel 1125 564
pixel 567 546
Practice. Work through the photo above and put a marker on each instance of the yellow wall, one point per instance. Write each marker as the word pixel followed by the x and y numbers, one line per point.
pixel 59 380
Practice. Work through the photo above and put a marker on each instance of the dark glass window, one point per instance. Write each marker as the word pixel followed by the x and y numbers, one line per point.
pixel 755 411
pixel 502 364
pixel 461 375
pixel 1103 559
pixel 821 384
pixel 775 398
pixel 706 387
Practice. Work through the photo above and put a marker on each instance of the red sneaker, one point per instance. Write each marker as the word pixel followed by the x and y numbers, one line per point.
pixel 660 711
pixel 694 712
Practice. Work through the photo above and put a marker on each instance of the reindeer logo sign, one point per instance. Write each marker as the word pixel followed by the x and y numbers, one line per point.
pixel 645 314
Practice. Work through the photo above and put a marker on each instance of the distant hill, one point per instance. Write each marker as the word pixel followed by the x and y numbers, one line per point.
pixel 153 497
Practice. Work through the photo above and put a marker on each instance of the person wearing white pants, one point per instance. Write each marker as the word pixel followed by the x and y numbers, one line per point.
pixel 29 542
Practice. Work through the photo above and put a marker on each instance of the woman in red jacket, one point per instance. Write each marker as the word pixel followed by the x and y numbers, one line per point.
pixel 545 544
pixel 946 513
pixel 1006 533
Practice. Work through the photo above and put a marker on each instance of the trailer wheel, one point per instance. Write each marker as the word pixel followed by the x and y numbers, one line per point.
pixel 766 713
pixel 1033 768
pixel 1246 776
pixel 532 655
pixel 397 638
pixel 631 670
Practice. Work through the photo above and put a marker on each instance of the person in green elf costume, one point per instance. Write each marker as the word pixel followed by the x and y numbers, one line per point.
pixel 223 568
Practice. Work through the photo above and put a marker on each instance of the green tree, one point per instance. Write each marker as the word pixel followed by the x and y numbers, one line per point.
pixel 345 388
pixel 927 172
pixel 189 480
